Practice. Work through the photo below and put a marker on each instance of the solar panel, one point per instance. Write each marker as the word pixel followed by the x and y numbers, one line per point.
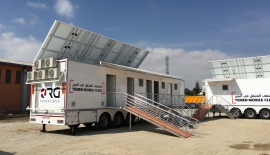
pixel 68 41
pixel 241 68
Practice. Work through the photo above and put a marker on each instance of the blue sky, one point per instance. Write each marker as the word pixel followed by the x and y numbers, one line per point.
pixel 190 32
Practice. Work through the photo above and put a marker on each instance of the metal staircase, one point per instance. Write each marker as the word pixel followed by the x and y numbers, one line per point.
pixel 203 110
pixel 176 102
pixel 160 115
pixel 224 106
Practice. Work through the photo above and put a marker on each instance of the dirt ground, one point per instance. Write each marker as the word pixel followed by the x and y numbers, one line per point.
pixel 219 135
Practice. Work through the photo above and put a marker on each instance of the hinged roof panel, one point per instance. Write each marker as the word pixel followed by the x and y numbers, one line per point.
pixel 241 68
pixel 68 41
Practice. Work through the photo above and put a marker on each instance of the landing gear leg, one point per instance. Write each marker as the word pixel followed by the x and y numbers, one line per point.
pixel 213 114
pixel 43 128
pixel 72 128
pixel 219 114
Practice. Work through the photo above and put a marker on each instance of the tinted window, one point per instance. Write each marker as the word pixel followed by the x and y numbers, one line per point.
pixel 141 82
pixel 8 76
pixel 18 77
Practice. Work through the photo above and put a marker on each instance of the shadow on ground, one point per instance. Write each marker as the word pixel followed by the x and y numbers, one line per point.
pixel 140 125
pixel 6 153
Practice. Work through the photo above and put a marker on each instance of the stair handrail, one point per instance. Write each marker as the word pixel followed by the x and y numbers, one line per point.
pixel 175 101
pixel 161 105
pixel 175 120
pixel 226 105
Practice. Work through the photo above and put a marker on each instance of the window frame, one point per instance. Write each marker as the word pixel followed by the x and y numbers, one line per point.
pixel 225 86
pixel 163 84
pixel 140 82
pixel 8 76
pixel 18 79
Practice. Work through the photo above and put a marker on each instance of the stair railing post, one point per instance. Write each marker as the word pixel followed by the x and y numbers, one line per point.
pixel 129 121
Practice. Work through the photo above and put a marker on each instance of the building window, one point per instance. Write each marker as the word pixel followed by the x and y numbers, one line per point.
pixel 163 85
pixel 18 77
pixel 175 86
pixel 225 87
pixel 8 76
pixel 141 82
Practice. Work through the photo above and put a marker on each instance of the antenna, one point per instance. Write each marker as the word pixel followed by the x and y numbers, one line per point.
pixel 167 64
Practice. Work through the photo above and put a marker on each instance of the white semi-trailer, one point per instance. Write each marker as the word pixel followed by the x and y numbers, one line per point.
pixel 242 85
pixel 77 75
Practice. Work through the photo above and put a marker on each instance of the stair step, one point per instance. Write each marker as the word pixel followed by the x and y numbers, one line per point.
pixel 169 127
pixel 202 112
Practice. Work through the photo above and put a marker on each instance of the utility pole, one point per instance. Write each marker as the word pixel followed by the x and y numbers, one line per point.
pixel 167 64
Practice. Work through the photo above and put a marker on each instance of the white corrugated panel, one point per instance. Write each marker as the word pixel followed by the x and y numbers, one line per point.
pixel 241 68
pixel 68 41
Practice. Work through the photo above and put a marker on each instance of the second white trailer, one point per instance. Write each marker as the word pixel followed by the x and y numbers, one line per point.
pixel 244 84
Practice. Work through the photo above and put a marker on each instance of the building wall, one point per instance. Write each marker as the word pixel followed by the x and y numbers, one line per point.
pixel 11 93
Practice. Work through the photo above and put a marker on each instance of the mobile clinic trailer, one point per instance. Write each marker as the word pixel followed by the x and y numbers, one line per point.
pixel 77 75
pixel 241 86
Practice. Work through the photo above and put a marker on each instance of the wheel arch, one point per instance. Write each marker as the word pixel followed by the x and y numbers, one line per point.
pixel 119 112
pixel 110 118
pixel 249 109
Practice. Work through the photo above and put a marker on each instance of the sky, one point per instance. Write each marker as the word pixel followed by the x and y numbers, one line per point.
pixel 190 32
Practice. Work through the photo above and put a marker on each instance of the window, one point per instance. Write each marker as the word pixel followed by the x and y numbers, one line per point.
pixel 163 85
pixel 141 82
pixel 175 86
pixel 18 77
pixel 8 76
pixel 225 87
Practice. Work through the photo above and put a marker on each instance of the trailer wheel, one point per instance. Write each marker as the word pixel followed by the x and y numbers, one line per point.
pixel 265 114
pixel 236 112
pixel 250 114
pixel 132 119
pixel 104 122
pixel 118 120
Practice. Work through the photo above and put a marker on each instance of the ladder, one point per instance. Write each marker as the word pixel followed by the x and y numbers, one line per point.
pixel 160 115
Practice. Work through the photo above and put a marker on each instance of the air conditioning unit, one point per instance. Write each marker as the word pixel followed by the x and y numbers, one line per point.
pixel 50 63
pixel 39 64
pixel 53 73
pixel 31 76
pixel 42 74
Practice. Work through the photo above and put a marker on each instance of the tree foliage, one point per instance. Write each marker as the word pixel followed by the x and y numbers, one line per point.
pixel 197 89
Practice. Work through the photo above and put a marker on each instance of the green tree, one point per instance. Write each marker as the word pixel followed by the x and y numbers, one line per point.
pixel 197 89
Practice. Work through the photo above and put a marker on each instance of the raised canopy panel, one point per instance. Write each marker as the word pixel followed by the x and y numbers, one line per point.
pixel 68 41
pixel 241 68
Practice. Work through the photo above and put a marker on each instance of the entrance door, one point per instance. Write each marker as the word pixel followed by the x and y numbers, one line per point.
pixel 169 88
pixel 110 90
pixel 169 96
pixel 130 86
pixel 156 91
pixel 149 89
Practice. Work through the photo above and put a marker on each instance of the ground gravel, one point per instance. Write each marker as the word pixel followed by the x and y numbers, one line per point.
pixel 219 135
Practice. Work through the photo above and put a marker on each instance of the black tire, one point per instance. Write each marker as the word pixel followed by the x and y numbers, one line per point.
pixel 75 126
pixel 237 112
pixel 104 122
pixel 118 120
pixel 132 119
pixel 88 125
pixel 250 114
pixel 265 114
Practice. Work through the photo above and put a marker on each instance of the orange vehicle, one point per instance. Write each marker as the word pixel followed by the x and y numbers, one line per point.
pixel 194 101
